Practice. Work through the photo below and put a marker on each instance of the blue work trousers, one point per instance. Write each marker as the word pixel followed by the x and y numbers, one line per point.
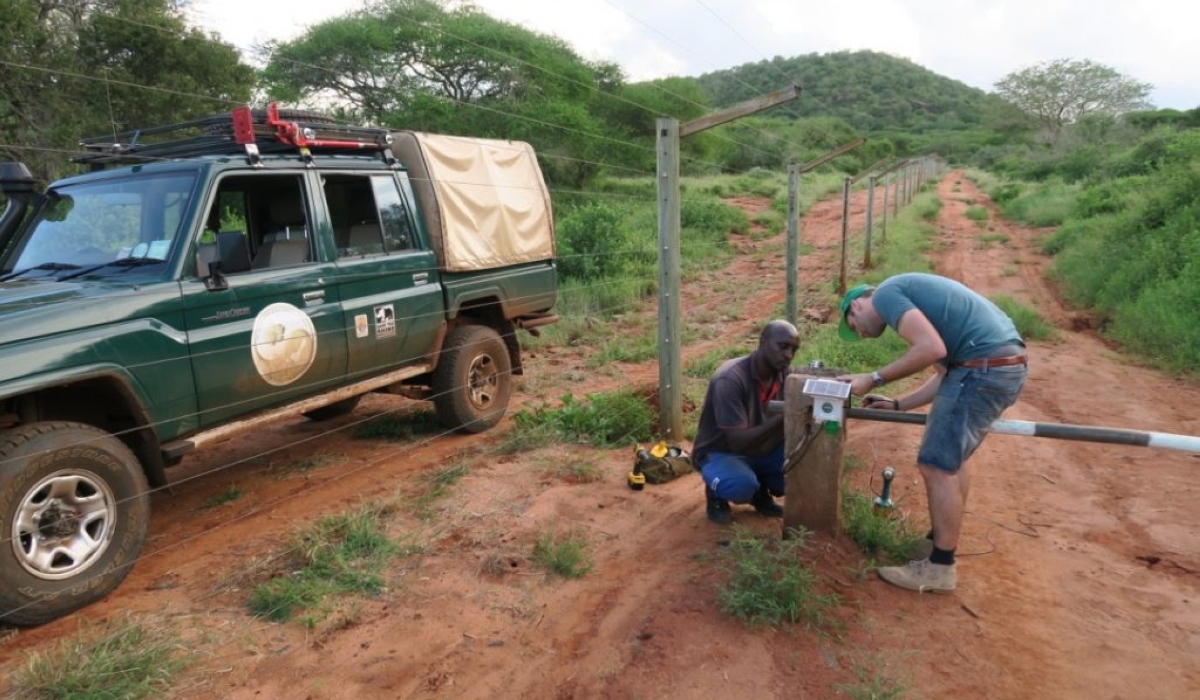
pixel 736 478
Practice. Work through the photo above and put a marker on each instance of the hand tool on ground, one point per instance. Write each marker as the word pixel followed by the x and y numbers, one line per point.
pixel 884 499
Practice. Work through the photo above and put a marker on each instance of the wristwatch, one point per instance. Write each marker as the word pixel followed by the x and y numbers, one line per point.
pixel 878 378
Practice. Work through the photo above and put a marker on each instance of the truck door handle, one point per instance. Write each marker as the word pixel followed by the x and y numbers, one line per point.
pixel 421 278
pixel 314 296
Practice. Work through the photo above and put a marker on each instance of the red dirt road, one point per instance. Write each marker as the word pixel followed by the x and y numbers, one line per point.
pixel 1079 576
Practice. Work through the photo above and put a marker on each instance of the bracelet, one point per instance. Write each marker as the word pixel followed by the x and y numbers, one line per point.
pixel 895 404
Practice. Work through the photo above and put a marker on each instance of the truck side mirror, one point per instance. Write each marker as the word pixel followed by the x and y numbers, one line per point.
pixel 18 185
pixel 215 281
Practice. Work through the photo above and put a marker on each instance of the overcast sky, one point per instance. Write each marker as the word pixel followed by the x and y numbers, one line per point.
pixel 974 41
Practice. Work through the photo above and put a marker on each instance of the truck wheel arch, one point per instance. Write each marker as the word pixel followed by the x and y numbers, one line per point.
pixel 489 312
pixel 111 405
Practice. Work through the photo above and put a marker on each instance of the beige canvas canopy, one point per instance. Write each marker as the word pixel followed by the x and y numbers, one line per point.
pixel 485 201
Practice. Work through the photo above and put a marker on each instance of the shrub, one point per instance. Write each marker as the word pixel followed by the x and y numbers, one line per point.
pixel 605 420
pixel 1048 204
pixel 977 213
pixel 592 242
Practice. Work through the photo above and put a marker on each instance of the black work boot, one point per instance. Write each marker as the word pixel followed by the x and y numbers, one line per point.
pixel 766 505
pixel 718 508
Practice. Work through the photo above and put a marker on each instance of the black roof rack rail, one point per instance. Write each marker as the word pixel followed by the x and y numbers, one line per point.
pixel 242 131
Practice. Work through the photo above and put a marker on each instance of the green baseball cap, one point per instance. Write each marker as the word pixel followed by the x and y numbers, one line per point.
pixel 844 328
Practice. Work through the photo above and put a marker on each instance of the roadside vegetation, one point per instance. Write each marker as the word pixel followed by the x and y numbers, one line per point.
pixel 345 554
pixel 127 658
pixel 1118 195
pixel 771 584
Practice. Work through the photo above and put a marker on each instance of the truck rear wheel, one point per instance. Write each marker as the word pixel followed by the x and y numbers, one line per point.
pixel 74 508
pixel 473 380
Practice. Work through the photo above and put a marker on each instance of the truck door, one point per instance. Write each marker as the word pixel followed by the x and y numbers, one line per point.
pixel 387 276
pixel 275 333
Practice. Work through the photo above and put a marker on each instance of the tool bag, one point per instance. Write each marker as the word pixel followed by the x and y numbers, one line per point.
pixel 662 463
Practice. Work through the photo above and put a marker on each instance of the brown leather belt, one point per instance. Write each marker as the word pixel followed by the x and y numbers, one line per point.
pixel 985 362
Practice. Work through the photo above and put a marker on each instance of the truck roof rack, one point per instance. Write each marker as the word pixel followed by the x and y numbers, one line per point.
pixel 243 130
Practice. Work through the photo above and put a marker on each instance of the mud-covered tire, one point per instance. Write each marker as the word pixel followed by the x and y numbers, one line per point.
pixel 473 380
pixel 74 509
pixel 334 410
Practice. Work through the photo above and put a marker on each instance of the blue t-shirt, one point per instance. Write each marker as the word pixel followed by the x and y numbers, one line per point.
pixel 970 325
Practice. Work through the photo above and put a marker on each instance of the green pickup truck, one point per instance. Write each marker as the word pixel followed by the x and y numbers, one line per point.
pixel 208 277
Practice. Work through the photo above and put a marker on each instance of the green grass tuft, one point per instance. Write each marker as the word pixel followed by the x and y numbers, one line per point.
pixel 875 531
pixel 340 554
pixel 603 420
pixel 125 659
pixel 1029 322
pixel 563 554
pixel 769 583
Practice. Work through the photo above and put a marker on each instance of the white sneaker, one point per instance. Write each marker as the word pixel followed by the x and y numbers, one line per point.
pixel 922 576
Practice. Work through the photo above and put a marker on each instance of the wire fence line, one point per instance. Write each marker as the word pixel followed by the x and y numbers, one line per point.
pixel 406 448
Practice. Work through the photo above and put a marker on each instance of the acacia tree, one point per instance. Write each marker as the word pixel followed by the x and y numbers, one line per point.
pixel 1061 92
pixel 431 65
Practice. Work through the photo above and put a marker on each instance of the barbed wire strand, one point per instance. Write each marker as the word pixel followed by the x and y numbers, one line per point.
pixel 341 475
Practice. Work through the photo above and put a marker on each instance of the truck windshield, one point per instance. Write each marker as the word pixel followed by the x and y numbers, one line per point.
pixel 103 227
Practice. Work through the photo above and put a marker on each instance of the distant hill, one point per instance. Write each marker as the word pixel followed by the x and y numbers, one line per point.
pixel 870 91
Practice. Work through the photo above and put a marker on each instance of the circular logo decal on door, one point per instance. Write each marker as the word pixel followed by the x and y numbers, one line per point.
pixel 283 344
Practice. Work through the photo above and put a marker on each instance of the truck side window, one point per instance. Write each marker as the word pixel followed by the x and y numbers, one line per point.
pixel 368 215
pixel 397 232
pixel 270 214
pixel 353 214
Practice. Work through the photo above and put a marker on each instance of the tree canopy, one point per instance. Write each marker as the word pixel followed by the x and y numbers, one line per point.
pixel 85 68
pixel 1064 91
pixel 429 66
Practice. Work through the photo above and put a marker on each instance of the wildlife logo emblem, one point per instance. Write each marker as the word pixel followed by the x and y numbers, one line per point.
pixel 385 321
pixel 283 344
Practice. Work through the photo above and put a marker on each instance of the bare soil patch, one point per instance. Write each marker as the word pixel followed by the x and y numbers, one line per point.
pixel 1079 577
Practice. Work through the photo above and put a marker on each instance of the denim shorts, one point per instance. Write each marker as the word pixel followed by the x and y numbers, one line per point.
pixel 967 403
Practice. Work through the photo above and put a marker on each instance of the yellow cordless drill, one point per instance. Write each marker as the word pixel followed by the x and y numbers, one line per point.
pixel 636 479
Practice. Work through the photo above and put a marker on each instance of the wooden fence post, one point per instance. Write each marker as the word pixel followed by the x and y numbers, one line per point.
pixel 812 460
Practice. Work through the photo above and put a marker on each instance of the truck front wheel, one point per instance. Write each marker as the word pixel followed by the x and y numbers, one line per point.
pixel 74 508
pixel 473 380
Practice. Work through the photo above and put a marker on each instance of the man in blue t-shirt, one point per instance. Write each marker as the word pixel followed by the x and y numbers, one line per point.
pixel 979 364
pixel 739 447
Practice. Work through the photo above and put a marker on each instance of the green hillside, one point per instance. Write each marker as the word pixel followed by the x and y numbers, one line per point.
pixel 868 90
